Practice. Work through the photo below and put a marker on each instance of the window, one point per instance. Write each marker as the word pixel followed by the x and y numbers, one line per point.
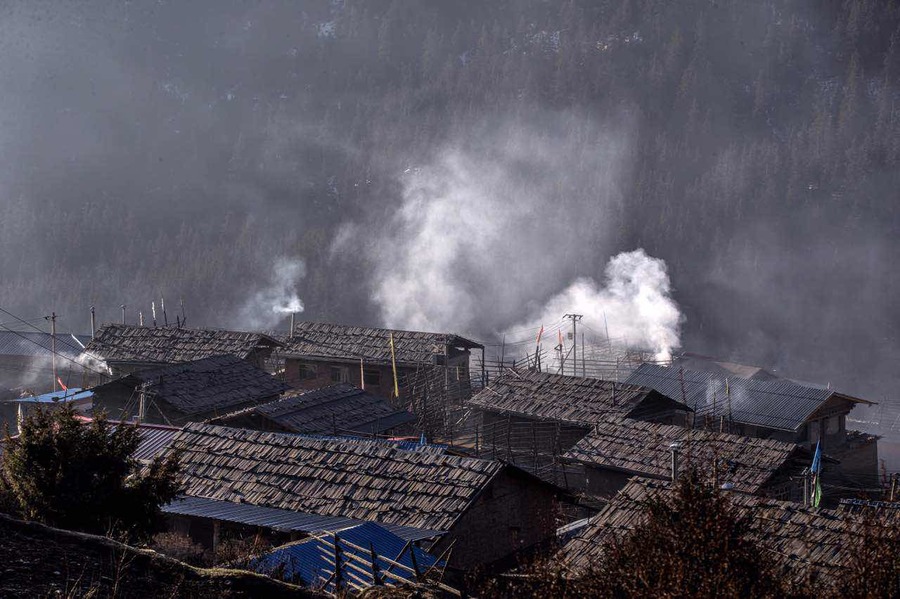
pixel 833 425
pixel 307 371
pixel 339 374
pixel 372 377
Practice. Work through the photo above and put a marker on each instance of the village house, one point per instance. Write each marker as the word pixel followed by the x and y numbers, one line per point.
pixel 341 409
pixel 297 485
pixel 617 449
pixel 523 410
pixel 129 348
pixel 320 354
pixel 770 409
pixel 187 392
pixel 803 540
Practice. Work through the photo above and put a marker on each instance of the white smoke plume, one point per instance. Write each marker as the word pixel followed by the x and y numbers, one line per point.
pixel 634 301
pixel 267 307
pixel 499 220
pixel 94 363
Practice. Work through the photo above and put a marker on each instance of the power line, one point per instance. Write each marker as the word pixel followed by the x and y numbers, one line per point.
pixel 19 334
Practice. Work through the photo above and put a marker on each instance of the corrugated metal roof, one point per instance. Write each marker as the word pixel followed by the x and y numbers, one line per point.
pixel 154 440
pixel 278 519
pixel 36 344
pixel 311 561
pixel 779 404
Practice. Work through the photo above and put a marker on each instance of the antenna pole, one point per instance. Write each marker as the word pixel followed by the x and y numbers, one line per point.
pixel 53 345
pixel 123 313
pixel 93 322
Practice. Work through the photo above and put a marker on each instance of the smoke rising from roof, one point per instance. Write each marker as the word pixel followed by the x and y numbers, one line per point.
pixel 500 220
pixel 634 299
pixel 268 306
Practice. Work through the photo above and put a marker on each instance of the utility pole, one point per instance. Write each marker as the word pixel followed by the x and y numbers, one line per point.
pixel 93 322
pixel 123 313
pixel 574 318
pixel 53 345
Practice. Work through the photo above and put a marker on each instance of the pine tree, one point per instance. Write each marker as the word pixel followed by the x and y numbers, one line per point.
pixel 692 543
pixel 79 475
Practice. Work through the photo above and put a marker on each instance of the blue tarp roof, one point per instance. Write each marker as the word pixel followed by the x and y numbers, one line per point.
pixel 311 561
pixel 73 394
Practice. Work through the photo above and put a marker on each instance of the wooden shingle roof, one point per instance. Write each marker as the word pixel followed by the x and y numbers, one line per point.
pixel 332 410
pixel 214 384
pixel 643 448
pixel 801 538
pixel 365 481
pixel 546 396
pixel 172 345
pixel 337 341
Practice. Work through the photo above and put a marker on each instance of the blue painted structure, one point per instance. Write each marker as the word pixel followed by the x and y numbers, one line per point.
pixel 310 562
pixel 70 395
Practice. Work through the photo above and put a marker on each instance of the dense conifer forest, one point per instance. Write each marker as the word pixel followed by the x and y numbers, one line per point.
pixel 756 149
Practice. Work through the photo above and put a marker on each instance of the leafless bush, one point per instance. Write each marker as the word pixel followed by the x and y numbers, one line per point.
pixel 181 547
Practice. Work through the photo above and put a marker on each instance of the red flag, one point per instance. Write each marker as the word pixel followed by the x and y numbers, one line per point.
pixel 540 333
pixel 59 380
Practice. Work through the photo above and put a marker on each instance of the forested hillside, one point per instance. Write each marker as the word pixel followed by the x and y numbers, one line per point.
pixel 754 146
